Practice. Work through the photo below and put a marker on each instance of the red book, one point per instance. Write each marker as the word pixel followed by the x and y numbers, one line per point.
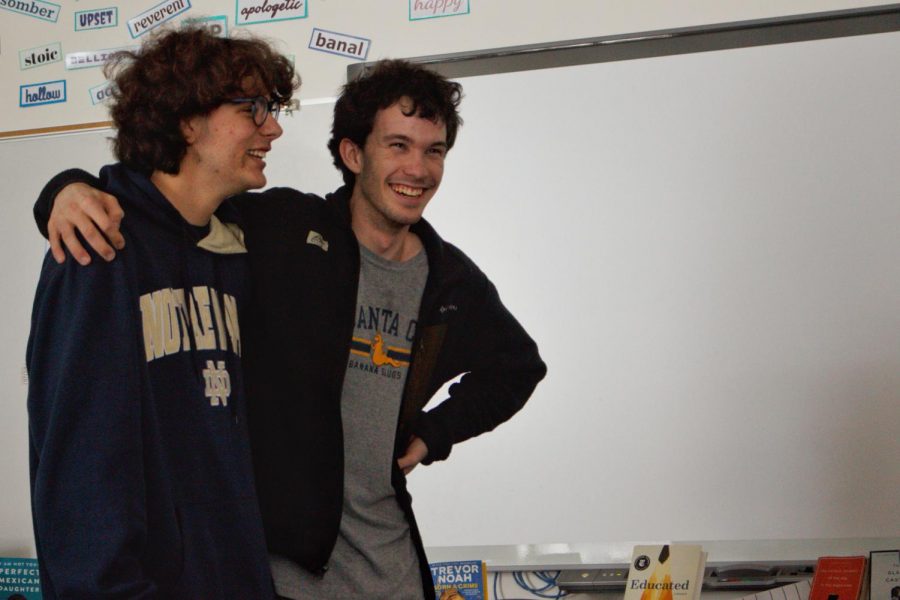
pixel 838 578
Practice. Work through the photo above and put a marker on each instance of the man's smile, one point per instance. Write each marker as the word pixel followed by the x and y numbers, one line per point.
pixel 407 190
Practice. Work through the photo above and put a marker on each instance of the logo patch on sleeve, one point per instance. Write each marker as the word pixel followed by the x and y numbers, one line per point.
pixel 316 239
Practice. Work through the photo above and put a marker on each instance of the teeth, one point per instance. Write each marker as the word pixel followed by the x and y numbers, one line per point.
pixel 407 190
pixel 256 153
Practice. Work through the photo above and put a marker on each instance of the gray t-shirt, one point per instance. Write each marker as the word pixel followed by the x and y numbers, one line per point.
pixel 374 557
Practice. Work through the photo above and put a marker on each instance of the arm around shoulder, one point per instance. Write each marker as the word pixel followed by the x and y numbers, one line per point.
pixel 72 211
pixel 271 202
pixel 44 204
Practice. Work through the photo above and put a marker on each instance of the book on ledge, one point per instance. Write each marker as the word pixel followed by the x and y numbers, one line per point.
pixel 665 572
pixel 884 575
pixel 460 580
pixel 19 579
pixel 838 578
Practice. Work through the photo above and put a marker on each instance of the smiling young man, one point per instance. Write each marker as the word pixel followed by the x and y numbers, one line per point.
pixel 361 313
pixel 141 475
pixel 398 170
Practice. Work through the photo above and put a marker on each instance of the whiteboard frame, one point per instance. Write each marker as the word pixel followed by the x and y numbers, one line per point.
pixel 665 42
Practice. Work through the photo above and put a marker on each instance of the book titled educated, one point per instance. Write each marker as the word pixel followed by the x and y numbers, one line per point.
pixel 666 572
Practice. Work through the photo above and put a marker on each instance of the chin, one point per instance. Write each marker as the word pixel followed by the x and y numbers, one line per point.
pixel 406 217
pixel 410 214
pixel 257 183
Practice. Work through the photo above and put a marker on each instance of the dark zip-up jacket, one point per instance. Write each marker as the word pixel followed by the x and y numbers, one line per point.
pixel 141 475
pixel 305 269
pixel 305 265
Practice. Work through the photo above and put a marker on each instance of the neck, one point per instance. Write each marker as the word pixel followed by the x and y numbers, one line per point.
pixel 193 200
pixel 388 240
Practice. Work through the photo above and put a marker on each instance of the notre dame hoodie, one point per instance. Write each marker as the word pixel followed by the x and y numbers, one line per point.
pixel 141 477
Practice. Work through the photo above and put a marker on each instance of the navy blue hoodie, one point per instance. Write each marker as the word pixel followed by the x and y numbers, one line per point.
pixel 141 477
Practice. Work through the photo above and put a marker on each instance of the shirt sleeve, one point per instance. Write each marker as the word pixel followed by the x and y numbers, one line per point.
pixel 268 204
pixel 84 405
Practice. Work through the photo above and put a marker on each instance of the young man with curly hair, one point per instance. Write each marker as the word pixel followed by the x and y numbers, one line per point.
pixel 141 475
pixel 361 313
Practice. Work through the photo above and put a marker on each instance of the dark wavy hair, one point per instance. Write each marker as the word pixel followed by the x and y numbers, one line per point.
pixel 179 74
pixel 382 85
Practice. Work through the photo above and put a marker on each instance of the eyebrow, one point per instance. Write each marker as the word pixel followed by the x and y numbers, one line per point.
pixel 399 137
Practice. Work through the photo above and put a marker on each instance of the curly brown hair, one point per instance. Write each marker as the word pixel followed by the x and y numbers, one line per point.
pixel 382 85
pixel 179 74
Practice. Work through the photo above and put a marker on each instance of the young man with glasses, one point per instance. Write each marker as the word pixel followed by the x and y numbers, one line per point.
pixel 361 313
pixel 141 474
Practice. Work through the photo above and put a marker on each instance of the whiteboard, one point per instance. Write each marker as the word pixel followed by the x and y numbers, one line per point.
pixel 705 248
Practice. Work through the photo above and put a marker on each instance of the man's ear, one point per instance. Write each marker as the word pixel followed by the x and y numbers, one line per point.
pixel 352 155
pixel 189 129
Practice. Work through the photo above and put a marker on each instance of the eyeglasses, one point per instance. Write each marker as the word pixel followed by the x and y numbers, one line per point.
pixel 260 108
